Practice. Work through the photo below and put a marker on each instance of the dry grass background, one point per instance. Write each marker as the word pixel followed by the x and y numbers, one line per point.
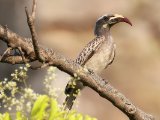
pixel 68 25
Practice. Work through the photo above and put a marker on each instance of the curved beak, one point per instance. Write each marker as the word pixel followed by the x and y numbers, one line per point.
pixel 124 19
pixel 120 18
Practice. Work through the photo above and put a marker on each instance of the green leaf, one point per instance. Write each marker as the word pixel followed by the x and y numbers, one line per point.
pixel 1 116
pixel 46 108
pixel 79 117
pixel 6 116
pixel 20 116
pixel 89 118
pixel 54 109
pixel 39 108
pixel 71 115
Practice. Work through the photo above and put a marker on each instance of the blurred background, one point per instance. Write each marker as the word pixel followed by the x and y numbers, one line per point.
pixel 67 26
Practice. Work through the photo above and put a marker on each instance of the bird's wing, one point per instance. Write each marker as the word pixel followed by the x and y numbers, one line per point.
pixel 72 88
pixel 89 50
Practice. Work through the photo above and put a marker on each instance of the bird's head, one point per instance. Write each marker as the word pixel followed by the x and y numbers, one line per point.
pixel 107 21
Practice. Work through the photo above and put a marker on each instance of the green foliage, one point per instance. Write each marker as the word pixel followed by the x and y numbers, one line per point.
pixel 30 105
pixel 5 116
pixel 39 109
pixel 20 116
pixel 46 108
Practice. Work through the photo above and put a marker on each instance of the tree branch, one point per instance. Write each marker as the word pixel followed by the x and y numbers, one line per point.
pixel 93 81
pixel 52 58
pixel 31 24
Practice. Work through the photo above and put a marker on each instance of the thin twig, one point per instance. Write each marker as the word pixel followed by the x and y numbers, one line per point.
pixel 22 54
pixel 31 24
pixel 5 52
pixel 34 9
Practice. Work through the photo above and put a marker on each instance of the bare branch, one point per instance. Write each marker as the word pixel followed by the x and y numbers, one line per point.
pixel 5 52
pixel 93 81
pixel 34 9
pixel 11 59
pixel 31 24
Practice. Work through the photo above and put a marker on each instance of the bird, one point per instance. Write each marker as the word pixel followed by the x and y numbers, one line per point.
pixel 97 55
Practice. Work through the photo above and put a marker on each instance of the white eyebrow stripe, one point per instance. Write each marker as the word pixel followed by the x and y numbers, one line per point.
pixel 115 16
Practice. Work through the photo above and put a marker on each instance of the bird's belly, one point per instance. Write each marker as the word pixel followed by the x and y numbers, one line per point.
pixel 101 58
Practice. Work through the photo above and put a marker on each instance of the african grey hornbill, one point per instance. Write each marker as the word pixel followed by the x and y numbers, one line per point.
pixel 97 54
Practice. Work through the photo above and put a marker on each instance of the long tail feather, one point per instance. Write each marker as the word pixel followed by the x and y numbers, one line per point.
pixel 72 90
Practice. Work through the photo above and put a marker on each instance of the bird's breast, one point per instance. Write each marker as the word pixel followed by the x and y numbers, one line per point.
pixel 102 57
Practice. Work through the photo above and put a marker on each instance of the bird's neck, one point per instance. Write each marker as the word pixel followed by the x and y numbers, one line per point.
pixel 102 31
